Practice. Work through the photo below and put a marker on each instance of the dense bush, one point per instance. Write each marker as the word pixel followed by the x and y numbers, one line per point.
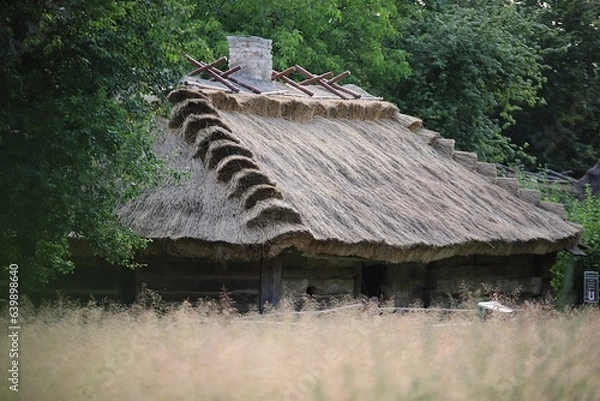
pixel 568 270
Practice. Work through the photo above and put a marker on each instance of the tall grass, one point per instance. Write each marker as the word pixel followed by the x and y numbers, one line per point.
pixel 198 353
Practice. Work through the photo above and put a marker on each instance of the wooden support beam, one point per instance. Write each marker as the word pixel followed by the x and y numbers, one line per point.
pixel 338 77
pixel 348 91
pixel 271 286
pixel 230 71
pixel 321 82
pixel 406 281
pixel 357 281
pixel 213 72
pixel 202 67
pixel 283 77
pixel 316 78
pixel 278 75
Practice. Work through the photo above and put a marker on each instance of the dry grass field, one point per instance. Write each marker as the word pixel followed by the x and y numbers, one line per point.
pixel 198 353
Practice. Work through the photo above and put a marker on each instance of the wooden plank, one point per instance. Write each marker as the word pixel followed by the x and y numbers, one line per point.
pixel 271 285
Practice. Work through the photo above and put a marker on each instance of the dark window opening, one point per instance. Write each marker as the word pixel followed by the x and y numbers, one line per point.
pixel 372 280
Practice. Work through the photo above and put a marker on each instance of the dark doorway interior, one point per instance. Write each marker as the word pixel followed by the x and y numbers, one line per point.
pixel 372 280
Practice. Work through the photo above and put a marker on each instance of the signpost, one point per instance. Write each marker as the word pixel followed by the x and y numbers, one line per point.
pixel 590 287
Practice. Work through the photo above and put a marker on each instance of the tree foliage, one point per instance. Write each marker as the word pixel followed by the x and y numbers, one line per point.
pixel 332 35
pixel 473 68
pixel 564 131
pixel 73 134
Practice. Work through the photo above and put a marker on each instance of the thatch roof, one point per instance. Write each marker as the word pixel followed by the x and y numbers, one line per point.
pixel 349 178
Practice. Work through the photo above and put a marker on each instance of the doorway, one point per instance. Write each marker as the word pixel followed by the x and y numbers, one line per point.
pixel 372 280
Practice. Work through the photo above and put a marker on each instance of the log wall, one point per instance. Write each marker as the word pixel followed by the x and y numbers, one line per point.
pixel 295 275
pixel 177 279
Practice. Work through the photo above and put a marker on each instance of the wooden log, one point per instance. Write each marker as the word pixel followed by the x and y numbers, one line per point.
pixel 316 78
pixel 338 77
pixel 202 67
pixel 346 90
pixel 230 71
pixel 278 75
pixel 271 285
pixel 213 72
pixel 321 82
pixel 405 282
pixel 282 76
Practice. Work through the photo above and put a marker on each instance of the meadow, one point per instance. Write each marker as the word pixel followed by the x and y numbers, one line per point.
pixel 203 352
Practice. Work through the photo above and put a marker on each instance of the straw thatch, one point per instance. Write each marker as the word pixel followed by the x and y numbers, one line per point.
pixel 330 177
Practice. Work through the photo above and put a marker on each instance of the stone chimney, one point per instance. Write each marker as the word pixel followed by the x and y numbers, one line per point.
pixel 253 54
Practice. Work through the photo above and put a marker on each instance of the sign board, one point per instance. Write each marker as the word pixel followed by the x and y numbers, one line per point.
pixel 590 287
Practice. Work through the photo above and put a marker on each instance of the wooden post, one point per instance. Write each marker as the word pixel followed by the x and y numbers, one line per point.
pixel 357 282
pixel 408 283
pixel 270 282
pixel 388 286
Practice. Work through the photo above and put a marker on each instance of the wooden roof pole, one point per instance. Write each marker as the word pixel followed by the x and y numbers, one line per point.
pixel 321 82
pixel 316 78
pixel 338 77
pixel 203 67
pixel 219 75
pixel 282 76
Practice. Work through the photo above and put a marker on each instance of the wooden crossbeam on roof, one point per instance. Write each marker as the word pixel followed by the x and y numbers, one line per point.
pixel 316 78
pixel 211 70
pixel 220 76
pixel 224 77
pixel 283 77
pixel 321 79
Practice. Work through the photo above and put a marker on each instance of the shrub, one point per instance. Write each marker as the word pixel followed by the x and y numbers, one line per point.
pixel 568 270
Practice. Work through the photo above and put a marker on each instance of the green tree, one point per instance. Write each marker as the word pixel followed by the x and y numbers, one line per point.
pixel 74 136
pixel 473 68
pixel 334 35
pixel 564 131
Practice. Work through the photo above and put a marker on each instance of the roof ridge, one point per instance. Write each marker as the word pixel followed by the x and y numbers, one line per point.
pixel 201 126
pixel 470 160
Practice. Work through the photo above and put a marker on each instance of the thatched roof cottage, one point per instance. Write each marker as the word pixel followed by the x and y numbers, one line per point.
pixel 281 191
